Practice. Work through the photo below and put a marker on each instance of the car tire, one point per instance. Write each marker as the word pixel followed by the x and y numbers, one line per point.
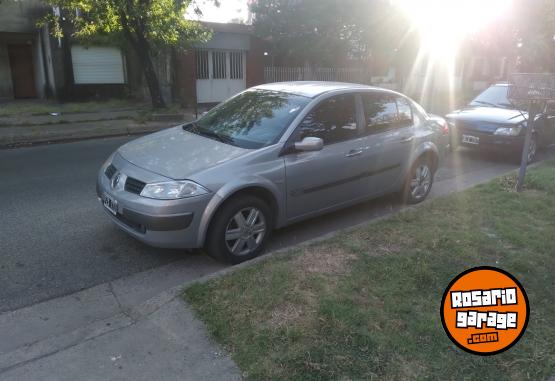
pixel 232 237
pixel 419 181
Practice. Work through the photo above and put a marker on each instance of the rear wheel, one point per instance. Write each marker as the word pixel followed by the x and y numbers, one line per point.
pixel 239 230
pixel 419 181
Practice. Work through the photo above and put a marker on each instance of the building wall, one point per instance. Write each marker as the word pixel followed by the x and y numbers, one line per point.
pixel 227 40
pixel 255 63
pixel 186 78
pixel 20 16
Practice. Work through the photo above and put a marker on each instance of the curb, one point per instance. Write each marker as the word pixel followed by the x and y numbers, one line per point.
pixel 304 244
pixel 283 251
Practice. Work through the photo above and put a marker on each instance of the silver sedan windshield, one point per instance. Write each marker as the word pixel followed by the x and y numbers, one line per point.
pixel 252 119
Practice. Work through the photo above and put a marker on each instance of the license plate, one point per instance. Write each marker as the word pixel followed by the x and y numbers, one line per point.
pixel 110 204
pixel 469 139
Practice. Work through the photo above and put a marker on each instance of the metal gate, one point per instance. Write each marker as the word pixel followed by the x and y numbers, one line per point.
pixel 220 74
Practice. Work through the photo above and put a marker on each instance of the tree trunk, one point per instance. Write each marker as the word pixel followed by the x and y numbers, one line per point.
pixel 142 48
pixel 138 41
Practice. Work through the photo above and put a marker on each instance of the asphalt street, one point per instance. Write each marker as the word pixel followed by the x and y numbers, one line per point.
pixel 55 239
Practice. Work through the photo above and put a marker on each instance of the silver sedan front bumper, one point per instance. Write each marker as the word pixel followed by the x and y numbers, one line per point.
pixel 159 223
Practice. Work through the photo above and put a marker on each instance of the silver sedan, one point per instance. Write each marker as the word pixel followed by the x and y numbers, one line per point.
pixel 268 157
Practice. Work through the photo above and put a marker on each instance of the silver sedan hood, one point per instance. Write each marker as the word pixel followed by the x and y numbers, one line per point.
pixel 178 154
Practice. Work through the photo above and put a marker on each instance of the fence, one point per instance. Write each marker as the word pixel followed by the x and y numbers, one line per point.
pixel 282 74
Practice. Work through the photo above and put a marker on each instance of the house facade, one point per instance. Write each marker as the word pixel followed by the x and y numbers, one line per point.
pixel 33 64
pixel 23 63
pixel 230 62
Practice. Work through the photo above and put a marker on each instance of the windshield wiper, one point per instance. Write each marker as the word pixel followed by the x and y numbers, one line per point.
pixel 194 128
pixel 215 135
pixel 488 104
pixel 191 126
pixel 500 105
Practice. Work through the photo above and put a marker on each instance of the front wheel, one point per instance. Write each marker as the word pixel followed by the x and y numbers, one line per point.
pixel 239 229
pixel 419 181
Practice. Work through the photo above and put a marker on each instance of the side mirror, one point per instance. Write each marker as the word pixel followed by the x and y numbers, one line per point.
pixel 309 144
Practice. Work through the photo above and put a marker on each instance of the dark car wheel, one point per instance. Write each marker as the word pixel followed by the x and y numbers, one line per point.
pixel 419 181
pixel 239 230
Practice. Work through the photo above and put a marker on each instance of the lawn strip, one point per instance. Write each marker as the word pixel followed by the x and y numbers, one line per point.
pixel 365 304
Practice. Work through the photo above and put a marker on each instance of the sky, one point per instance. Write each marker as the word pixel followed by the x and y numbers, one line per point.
pixel 227 11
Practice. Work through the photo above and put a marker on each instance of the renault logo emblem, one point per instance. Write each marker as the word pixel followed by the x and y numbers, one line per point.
pixel 115 180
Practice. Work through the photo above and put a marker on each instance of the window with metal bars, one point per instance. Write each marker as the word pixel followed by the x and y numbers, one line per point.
pixel 202 69
pixel 219 67
pixel 236 65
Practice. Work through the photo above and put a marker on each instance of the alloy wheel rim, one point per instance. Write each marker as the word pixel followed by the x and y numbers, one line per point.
pixel 245 231
pixel 421 182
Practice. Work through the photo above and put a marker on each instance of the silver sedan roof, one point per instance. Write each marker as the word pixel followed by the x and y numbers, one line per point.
pixel 311 88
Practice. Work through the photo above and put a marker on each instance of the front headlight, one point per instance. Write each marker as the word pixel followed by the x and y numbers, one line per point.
pixel 508 131
pixel 173 190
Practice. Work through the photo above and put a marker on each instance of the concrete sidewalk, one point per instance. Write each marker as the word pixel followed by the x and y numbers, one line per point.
pixel 111 332
pixel 61 118
pixel 27 130
pixel 15 136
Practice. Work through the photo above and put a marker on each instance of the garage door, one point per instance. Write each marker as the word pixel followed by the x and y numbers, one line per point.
pixel 97 65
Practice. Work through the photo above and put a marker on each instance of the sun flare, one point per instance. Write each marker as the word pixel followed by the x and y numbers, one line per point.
pixel 444 24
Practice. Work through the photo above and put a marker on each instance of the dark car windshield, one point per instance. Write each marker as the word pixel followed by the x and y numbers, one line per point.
pixel 252 119
pixel 495 96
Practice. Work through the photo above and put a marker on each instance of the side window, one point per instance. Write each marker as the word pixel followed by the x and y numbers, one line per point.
pixel 405 113
pixel 333 120
pixel 381 112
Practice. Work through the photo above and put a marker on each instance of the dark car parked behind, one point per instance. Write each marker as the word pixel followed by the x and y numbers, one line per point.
pixel 492 122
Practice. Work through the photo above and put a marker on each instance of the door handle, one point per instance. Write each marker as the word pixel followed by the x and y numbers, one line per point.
pixel 406 139
pixel 354 152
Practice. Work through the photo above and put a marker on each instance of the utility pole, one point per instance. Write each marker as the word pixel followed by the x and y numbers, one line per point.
pixel 536 89
pixel 532 112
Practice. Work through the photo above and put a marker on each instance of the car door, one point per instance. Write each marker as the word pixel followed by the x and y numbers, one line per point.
pixel 388 139
pixel 323 179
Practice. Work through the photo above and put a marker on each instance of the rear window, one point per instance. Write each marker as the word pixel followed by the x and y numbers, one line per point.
pixel 385 112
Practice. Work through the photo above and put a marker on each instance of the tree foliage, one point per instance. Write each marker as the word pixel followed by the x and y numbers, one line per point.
pixel 534 25
pixel 147 26
pixel 319 32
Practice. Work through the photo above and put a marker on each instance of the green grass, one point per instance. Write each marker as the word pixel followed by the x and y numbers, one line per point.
pixel 365 304
pixel 20 108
